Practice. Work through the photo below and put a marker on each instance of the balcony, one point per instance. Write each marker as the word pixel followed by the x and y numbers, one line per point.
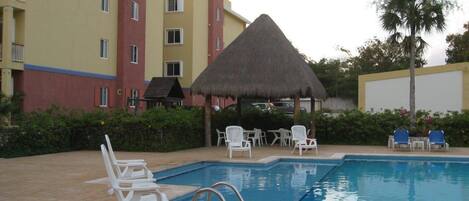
pixel 17 51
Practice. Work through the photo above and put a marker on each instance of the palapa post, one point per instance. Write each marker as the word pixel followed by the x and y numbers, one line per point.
pixel 208 121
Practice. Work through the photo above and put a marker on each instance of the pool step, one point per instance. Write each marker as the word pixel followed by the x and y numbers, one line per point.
pixel 213 190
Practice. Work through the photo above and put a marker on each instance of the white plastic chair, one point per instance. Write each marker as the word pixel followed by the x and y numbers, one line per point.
pixel 264 138
pixel 128 169
pixel 131 190
pixel 221 136
pixel 301 140
pixel 285 137
pixel 255 137
pixel 235 141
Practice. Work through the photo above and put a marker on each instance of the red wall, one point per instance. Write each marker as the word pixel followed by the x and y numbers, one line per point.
pixel 215 28
pixel 130 32
pixel 44 89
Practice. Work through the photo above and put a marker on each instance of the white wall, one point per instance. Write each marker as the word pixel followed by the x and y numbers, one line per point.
pixel 440 92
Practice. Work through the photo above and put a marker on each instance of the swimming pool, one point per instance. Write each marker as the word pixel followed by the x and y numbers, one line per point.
pixel 353 178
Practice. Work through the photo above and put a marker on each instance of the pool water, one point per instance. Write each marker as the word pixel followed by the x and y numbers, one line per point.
pixel 355 178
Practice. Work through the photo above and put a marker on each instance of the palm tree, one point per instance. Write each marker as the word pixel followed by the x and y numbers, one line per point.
pixel 406 20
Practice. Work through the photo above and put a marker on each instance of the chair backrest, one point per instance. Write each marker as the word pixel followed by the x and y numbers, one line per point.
pixel 235 135
pixel 298 133
pixel 436 136
pixel 401 135
pixel 111 152
pixel 219 133
pixel 110 173
pixel 257 133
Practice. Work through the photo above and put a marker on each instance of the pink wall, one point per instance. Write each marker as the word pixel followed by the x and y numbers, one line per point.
pixel 44 89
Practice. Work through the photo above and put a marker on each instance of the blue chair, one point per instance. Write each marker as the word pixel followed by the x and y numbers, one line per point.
pixel 437 137
pixel 401 137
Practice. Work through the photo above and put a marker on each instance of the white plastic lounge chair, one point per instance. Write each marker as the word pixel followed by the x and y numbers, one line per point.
pixel 131 190
pixel 221 136
pixel 235 140
pixel 130 169
pixel 301 140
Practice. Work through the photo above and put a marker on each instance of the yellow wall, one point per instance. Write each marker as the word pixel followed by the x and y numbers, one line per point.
pixel 181 52
pixel 66 34
pixel 200 42
pixel 20 25
pixel 232 27
pixel 154 39
pixel 464 67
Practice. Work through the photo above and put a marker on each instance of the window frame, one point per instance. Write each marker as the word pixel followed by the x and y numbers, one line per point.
pixel 135 11
pixel 181 68
pixel 181 36
pixel 179 6
pixel 105 6
pixel 218 44
pixel 133 53
pixel 104 48
pixel 134 93
pixel 103 97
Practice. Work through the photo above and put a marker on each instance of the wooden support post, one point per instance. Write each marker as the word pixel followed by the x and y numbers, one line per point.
pixel 208 126
pixel 296 113
pixel 313 125
pixel 238 109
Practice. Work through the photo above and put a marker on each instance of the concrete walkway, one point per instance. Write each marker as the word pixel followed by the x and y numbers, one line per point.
pixel 63 176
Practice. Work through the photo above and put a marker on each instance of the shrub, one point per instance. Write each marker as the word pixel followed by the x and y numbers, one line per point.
pixel 57 130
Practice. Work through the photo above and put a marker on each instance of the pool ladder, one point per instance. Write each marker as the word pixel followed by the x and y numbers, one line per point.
pixel 213 190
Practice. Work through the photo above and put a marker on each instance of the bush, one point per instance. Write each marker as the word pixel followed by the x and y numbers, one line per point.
pixel 163 130
pixel 57 130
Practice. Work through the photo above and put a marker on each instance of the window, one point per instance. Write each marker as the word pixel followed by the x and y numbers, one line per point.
pixel 133 97
pixel 174 36
pixel 218 15
pixel 134 54
pixel 219 44
pixel 174 69
pixel 174 5
pixel 105 5
pixel 134 10
pixel 104 97
pixel 104 48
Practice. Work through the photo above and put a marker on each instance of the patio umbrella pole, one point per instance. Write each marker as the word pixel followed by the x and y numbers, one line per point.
pixel 208 112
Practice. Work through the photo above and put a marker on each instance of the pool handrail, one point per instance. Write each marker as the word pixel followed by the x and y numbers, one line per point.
pixel 209 192
pixel 230 186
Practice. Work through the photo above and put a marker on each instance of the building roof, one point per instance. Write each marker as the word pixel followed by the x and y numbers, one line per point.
pixel 237 15
pixel 261 62
pixel 164 87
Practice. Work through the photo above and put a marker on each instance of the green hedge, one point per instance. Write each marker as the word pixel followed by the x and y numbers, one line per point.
pixel 56 130
pixel 162 130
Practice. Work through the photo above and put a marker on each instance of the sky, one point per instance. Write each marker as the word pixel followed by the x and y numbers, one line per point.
pixel 318 28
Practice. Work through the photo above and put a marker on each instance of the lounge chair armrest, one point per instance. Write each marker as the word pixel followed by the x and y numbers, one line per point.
pixel 132 165
pixel 131 181
pixel 131 161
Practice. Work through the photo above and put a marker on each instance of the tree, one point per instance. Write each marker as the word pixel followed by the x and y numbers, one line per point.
pixel 340 77
pixel 458 46
pixel 414 17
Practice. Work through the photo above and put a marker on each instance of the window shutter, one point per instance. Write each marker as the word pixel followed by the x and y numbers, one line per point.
pixel 126 97
pixel 141 104
pixel 111 97
pixel 97 96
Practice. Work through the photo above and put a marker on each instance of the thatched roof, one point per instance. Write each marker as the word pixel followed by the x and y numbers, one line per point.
pixel 163 88
pixel 261 62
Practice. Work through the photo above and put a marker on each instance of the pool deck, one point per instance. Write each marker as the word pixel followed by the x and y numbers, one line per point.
pixel 76 175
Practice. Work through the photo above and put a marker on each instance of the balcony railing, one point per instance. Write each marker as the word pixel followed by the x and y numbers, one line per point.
pixel 17 52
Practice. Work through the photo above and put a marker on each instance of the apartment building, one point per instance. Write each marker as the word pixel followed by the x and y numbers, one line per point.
pixel 88 54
